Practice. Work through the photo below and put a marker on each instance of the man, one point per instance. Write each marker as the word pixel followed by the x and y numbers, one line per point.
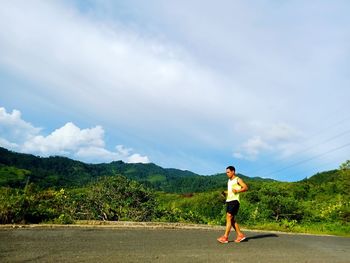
pixel 235 185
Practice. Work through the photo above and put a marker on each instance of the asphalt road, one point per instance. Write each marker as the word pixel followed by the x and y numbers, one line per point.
pixel 94 244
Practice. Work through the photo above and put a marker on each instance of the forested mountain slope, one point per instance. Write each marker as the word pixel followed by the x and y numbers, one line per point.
pixel 18 169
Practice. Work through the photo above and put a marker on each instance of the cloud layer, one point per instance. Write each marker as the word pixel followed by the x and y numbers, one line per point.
pixel 69 140
pixel 116 70
pixel 193 84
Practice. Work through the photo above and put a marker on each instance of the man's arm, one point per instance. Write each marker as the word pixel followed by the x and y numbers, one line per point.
pixel 243 185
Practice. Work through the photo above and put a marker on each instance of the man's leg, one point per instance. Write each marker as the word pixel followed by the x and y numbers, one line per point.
pixel 236 227
pixel 240 236
pixel 229 218
pixel 224 238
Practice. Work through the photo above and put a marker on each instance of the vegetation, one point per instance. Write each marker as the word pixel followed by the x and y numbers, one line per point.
pixel 60 172
pixel 60 190
pixel 109 198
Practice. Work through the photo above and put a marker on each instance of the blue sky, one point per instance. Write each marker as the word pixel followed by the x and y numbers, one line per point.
pixel 196 85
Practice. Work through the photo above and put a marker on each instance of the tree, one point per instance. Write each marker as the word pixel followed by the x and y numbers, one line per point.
pixel 345 166
pixel 117 198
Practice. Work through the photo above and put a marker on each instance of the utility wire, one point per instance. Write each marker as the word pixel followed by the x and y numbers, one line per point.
pixel 325 129
pixel 314 170
pixel 330 127
pixel 307 160
pixel 305 150
pixel 310 138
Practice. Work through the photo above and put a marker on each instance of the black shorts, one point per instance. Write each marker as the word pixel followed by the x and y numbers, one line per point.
pixel 232 207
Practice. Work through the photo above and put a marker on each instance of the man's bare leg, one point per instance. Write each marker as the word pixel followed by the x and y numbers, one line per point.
pixel 236 227
pixel 240 236
pixel 229 218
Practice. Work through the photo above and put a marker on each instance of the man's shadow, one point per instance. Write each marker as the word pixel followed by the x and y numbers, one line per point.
pixel 258 236
pixel 261 236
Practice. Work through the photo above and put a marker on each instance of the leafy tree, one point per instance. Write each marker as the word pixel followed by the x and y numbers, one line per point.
pixel 345 166
pixel 117 198
pixel 11 205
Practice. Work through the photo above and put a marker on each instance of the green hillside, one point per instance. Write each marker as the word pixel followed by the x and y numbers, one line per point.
pixel 57 172
pixel 61 190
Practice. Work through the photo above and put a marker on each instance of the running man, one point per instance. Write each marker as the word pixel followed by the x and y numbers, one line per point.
pixel 235 185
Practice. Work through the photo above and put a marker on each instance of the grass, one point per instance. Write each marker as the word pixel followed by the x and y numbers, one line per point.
pixel 308 228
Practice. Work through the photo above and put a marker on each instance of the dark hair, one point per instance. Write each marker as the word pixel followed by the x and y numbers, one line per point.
pixel 231 168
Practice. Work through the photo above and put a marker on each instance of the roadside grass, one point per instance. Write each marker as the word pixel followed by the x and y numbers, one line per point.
pixel 336 229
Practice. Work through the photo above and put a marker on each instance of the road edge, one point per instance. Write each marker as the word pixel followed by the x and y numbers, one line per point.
pixel 146 225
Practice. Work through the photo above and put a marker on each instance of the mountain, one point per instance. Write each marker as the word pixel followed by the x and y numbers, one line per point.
pixel 324 177
pixel 18 169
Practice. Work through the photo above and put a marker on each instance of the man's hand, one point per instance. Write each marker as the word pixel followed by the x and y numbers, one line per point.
pixel 236 191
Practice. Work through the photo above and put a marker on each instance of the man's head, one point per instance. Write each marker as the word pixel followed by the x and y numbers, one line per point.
pixel 230 171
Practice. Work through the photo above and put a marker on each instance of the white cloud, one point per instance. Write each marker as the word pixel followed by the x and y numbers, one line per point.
pixel 112 71
pixel 69 140
pixel 282 132
pixel 173 83
pixel 9 145
pixel 127 154
pixel 137 158
pixel 92 153
pixel 14 128
pixel 252 148
pixel 122 150
pixel 279 139
pixel 65 140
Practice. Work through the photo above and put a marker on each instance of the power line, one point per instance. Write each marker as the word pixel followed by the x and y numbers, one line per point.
pixel 331 126
pixel 305 150
pixel 307 160
pixel 312 137
pixel 321 167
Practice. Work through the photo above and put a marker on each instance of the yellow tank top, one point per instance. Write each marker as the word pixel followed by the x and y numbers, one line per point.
pixel 232 184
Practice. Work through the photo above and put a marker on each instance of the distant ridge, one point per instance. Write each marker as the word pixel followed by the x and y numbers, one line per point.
pixel 17 169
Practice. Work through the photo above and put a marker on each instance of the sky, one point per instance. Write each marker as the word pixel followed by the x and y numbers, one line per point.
pixel 192 85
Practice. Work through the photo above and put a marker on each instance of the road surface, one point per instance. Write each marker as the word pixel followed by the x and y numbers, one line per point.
pixel 96 244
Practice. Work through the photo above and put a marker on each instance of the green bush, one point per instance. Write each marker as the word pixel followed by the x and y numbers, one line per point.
pixel 117 198
pixel 11 205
